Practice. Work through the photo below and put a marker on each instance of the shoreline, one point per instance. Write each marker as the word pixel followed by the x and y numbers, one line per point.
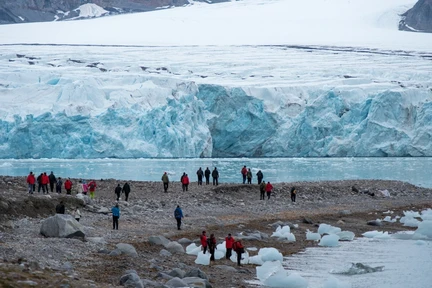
pixel 223 209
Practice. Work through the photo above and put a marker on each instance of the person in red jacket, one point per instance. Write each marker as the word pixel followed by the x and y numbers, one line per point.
pixel 30 181
pixel 45 181
pixel 244 173
pixel 229 241
pixel 92 188
pixel 185 182
pixel 239 249
pixel 268 189
pixel 203 239
pixel 68 186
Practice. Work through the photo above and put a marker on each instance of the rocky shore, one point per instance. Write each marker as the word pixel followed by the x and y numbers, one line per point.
pixel 28 259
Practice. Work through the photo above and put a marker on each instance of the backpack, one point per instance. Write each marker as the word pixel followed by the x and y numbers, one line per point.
pixel 234 246
pixel 92 186
pixel 177 214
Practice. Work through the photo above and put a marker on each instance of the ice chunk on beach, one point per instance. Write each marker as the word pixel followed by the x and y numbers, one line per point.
pixel 270 254
pixel 328 229
pixel 424 230
pixel 283 279
pixel 268 268
pixel 420 242
pixel 245 258
pixel 389 219
pixel 329 241
pixel 219 254
pixel 412 214
pixel 256 260
pixel 312 236
pixel 272 274
pixel 284 232
pixel 203 259
pixel 411 222
pixel 221 247
pixel 333 282
pixel 346 235
pixel 426 214
pixel 193 249
pixel 376 234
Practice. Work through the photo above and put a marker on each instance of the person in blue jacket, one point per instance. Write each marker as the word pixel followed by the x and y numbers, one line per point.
pixel 116 216
pixel 178 214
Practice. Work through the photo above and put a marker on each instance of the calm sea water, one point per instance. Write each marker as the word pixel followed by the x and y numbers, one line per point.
pixel 412 170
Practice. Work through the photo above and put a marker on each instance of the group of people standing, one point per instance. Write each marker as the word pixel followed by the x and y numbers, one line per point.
pixel 125 189
pixel 184 179
pixel 43 180
pixel 210 244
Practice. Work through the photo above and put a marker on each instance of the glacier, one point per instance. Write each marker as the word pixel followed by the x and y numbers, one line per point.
pixel 132 102
pixel 211 81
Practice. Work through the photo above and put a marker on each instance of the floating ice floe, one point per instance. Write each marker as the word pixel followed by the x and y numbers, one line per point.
pixel 272 274
pixel 333 282
pixel 328 229
pixel 331 240
pixel 376 234
pixel 312 236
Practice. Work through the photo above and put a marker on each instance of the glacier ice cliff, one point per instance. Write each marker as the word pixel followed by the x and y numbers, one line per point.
pixel 70 109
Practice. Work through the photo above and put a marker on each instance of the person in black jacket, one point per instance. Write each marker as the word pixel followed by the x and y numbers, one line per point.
pixel 200 174
pixel 126 189
pixel 118 191
pixel 215 175
pixel 60 208
pixel 207 176
pixel 52 181
pixel 260 176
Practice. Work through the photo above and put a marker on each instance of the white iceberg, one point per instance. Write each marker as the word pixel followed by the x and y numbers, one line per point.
pixel 346 235
pixel 328 229
pixel 329 241
pixel 203 259
pixel 312 236
pixel 270 254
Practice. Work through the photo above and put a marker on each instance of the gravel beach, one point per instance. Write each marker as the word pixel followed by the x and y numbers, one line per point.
pixel 29 259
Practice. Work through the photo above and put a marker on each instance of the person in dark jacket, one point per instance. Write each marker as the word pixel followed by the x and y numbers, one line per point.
pixel 165 181
pixel 52 181
pixel 260 176
pixel 60 208
pixel 293 194
pixel 178 215
pixel 211 244
pixel 249 176
pixel 262 190
pixel 59 185
pixel 200 175
pixel 126 189
pixel 39 181
pixel 215 175
pixel 118 191
pixel 116 216
pixel 207 175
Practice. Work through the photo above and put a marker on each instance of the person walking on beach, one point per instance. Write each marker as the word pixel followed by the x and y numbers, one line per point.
pixel 229 241
pixel 185 182
pixel 211 243
pixel 30 182
pixel 268 189
pixel 52 181
pixel 115 215
pixel 244 173
pixel 126 189
pixel 249 176
pixel 60 208
pixel 79 187
pixel 239 249
pixel 203 239
pixel 118 191
pixel 262 190
pixel 68 186
pixel 260 176
pixel 293 194
pixel 77 214
pixel 200 175
pixel 59 185
pixel 92 188
pixel 178 215
pixel 165 181
pixel 215 175
pixel 207 175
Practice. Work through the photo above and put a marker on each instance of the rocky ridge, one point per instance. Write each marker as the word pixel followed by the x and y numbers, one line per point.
pixel 33 260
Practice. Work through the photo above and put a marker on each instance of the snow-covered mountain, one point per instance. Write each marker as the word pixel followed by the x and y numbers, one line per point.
pixel 319 84
pixel 24 11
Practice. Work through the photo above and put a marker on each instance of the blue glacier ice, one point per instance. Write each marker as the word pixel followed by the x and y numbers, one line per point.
pixel 177 107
